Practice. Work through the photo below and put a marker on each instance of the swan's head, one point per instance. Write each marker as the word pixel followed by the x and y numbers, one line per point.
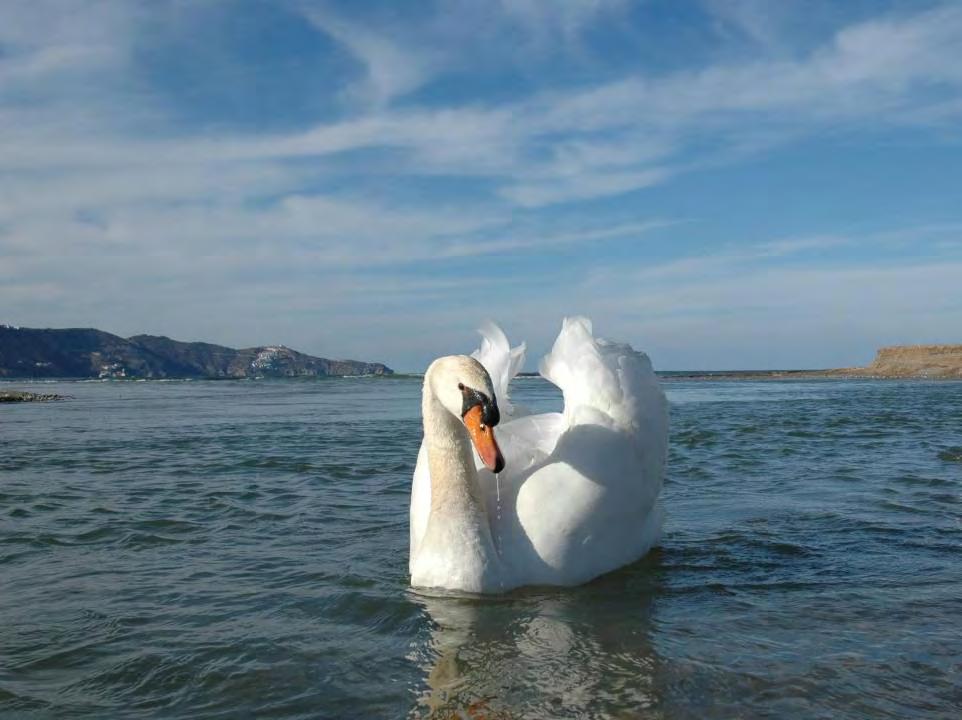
pixel 462 385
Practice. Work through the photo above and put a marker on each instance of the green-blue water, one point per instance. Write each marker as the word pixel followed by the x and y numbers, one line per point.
pixel 239 549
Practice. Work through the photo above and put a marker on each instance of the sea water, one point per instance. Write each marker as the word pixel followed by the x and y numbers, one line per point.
pixel 239 549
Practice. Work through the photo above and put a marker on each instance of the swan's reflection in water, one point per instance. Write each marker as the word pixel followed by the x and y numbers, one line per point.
pixel 548 653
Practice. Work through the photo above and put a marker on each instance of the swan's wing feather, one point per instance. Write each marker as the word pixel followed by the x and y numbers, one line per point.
pixel 501 361
pixel 420 500
pixel 528 440
pixel 608 384
pixel 537 432
pixel 592 505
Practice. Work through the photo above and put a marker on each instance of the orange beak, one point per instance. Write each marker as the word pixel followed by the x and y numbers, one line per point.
pixel 483 438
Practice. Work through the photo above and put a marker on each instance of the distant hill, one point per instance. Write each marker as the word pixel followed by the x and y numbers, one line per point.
pixel 89 353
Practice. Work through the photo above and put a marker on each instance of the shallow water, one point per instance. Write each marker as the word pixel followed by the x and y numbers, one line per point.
pixel 239 549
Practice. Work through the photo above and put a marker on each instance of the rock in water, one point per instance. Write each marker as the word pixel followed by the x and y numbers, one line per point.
pixel 21 396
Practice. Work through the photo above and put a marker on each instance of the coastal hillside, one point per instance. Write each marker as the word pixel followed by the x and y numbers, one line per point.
pixel 89 353
pixel 934 362
pixel 917 361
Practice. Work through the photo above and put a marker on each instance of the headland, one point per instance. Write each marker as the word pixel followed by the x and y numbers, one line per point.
pixel 897 362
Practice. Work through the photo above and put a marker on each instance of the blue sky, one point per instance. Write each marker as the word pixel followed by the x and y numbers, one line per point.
pixel 724 184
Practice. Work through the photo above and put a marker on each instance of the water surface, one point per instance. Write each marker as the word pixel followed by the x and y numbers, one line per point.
pixel 239 549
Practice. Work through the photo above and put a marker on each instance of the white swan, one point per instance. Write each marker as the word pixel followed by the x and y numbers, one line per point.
pixel 577 491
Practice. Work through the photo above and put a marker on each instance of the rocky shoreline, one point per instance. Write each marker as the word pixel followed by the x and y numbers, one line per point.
pixel 12 396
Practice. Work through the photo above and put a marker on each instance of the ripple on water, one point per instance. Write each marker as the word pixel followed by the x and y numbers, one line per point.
pixel 239 550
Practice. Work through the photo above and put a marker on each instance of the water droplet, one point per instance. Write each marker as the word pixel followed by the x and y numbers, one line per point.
pixel 497 489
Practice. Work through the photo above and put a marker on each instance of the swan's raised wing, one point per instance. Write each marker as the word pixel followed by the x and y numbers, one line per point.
pixel 501 361
pixel 525 439
pixel 591 505
pixel 606 383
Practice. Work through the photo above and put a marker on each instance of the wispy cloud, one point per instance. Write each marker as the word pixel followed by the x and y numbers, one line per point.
pixel 607 139
pixel 440 155
pixel 390 71
pixel 545 21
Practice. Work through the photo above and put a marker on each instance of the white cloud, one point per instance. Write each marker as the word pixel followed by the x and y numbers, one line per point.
pixel 728 312
pixel 546 20
pixel 390 71
pixel 582 186
pixel 96 181
pixel 609 139
pixel 758 20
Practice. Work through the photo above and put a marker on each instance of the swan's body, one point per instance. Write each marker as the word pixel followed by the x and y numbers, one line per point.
pixel 578 493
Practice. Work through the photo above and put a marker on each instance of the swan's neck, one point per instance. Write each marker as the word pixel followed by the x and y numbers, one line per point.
pixel 454 479
pixel 457 550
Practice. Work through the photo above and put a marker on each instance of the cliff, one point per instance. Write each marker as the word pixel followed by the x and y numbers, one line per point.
pixel 89 353
pixel 917 361
pixel 935 362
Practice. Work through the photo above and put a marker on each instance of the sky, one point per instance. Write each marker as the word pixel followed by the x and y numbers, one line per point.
pixel 723 184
